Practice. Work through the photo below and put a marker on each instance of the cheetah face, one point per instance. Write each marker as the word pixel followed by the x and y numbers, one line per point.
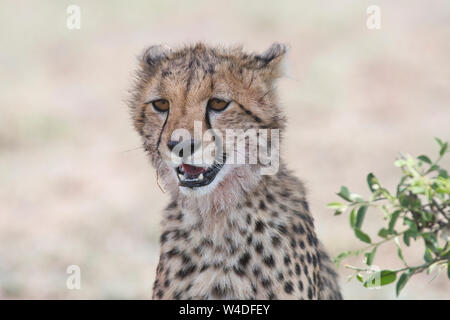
pixel 185 100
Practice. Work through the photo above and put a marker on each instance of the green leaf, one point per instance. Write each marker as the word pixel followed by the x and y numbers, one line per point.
pixel 393 219
pixel 400 163
pixel 362 236
pixel 338 207
pixel 373 183
pixel 335 205
pixel 383 233
pixel 385 276
pixel 430 241
pixel 407 238
pixel 434 167
pixel 385 211
pixel 359 277
pixel 341 256
pixel 426 216
pixel 412 226
pixel 370 256
pixel 418 189
pixel 424 158
pixel 442 185
pixel 356 197
pixel 353 218
pixel 360 216
pixel 444 148
pixel 402 282
pixel 399 251
pixel 344 194
pixel 428 257
pixel 386 193
pixel 400 185
pixel 443 174
pixel 409 201
pixel 439 141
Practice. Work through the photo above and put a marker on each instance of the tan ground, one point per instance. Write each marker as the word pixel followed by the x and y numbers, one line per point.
pixel 71 193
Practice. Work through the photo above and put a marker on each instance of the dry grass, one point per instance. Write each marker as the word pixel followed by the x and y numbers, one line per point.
pixel 70 193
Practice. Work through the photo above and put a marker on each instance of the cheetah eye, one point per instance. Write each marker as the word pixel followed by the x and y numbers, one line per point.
pixel 161 105
pixel 217 104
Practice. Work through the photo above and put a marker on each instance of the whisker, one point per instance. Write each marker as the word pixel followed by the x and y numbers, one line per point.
pixel 131 149
pixel 157 182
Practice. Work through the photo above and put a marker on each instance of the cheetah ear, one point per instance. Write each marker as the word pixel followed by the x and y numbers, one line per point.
pixel 155 54
pixel 270 60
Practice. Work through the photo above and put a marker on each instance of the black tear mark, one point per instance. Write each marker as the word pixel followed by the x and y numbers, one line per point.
pixel 160 133
pixel 248 112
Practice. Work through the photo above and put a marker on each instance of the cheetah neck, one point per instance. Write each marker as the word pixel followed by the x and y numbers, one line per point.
pixel 246 252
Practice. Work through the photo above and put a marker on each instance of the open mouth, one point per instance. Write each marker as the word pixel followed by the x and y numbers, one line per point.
pixel 192 176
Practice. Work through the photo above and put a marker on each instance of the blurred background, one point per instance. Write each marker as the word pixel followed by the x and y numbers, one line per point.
pixel 75 189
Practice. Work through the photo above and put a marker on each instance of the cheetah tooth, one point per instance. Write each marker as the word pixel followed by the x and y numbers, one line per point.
pixel 181 176
pixel 200 177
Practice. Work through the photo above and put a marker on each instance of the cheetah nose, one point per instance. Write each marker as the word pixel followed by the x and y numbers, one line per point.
pixel 183 148
pixel 171 144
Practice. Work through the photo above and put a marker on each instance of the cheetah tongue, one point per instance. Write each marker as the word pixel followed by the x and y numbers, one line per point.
pixel 192 170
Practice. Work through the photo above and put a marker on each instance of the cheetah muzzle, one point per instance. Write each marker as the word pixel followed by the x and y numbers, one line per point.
pixel 192 176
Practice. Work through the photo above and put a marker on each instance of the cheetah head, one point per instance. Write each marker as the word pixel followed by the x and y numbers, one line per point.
pixel 186 102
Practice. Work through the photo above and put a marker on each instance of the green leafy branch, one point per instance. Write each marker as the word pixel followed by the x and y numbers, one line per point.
pixel 418 210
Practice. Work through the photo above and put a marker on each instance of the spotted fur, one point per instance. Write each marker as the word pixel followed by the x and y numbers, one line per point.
pixel 247 235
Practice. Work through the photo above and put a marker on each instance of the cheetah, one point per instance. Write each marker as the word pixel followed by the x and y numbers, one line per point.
pixel 229 232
